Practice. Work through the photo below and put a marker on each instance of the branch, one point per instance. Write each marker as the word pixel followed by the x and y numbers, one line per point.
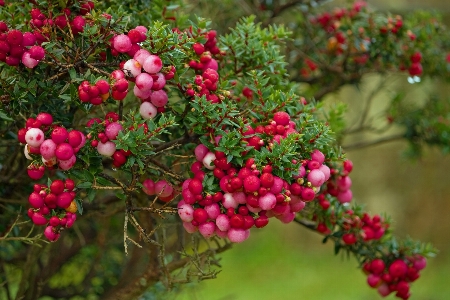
pixel 363 144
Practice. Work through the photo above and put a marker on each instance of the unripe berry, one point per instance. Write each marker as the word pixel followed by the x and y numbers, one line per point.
pixel 208 161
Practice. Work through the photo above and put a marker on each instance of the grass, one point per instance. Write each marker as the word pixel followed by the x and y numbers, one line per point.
pixel 285 262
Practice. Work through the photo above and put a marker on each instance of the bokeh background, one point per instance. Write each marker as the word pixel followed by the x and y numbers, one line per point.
pixel 289 262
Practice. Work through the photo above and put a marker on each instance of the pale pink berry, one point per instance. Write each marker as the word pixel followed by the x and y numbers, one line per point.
pixel 122 43
pixel 287 217
pixel 318 156
pixel 211 64
pixel 208 161
pixel 326 171
pixel 186 212
pixel 189 227
pixel 223 222
pixel 228 201
pixel 220 233
pixel 106 149
pixel 316 177
pixel 277 186
pixel 240 197
pixel 207 229
pixel 141 94
pixel 141 55
pixel 152 64
pixel 144 82
pixel 237 235
pixel 159 81
pixel 267 202
pixel 34 137
pixel 132 67
pixel 213 210
pixel 67 164
pixel 112 130
pixel 147 110
pixel 159 98
pixel 28 61
pixel 344 183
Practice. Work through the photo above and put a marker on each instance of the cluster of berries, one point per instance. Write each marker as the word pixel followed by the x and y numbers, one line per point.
pixel 53 206
pixel 365 228
pixel 102 136
pixel 60 148
pixel 205 52
pixel 241 197
pixel 17 46
pixel 395 276
pixel 340 183
pixel 95 94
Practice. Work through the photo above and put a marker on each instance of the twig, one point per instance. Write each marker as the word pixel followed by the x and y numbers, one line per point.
pixel 364 144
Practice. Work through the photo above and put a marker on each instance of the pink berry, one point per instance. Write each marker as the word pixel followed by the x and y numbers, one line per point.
pixel 67 164
pixel 122 43
pixel 39 219
pixel 45 118
pixel 35 172
pixel 37 53
pixel 159 81
pixel 228 201
pixel 112 130
pixel 141 55
pixel 147 110
pixel 373 280
pixel 316 177
pixel 14 37
pixel 267 202
pixel 189 227
pixel 36 200
pixel 207 229
pixel 345 197
pixel 163 188
pixel 64 151
pixel 281 118
pixel 106 149
pixel 213 210
pixel 74 138
pixel 152 64
pixel 159 98
pixel 59 135
pixel 420 263
pixel 57 187
pixel 200 152
pixel 195 186
pixel 308 194
pixel 251 184
pixel 50 234
pixel 141 94
pixel 200 215
pixel 237 235
pixel 186 212
pixel 144 82
pixel 63 200
pixel 398 268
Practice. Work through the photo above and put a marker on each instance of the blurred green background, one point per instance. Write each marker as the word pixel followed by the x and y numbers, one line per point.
pixel 289 262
